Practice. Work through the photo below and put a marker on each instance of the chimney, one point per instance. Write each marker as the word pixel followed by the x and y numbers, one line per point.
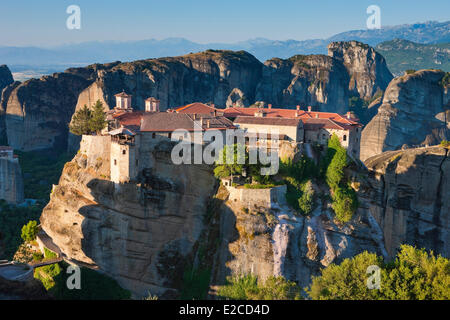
pixel 298 108
pixel 296 114
pixel 207 123
pixel 212 105
pixel 309 108
pixel 317 115
pixel 349 116
pixel 201 122
pixel 270 106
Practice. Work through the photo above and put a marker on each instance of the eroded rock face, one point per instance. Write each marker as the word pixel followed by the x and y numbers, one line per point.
pixel 367 68
pixel 38 111
pixel 314 80
pixel 6 77
pixel 11 181
pixel 208 76
pixel 276 242
pixel 140 233
pixel 411 114
pixel 408 194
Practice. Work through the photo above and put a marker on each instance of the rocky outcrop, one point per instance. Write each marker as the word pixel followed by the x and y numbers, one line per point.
pixel 6 77
pixel 413 113
pixel 275 241
pixel 141 233
pixel 37 111
pixel 11 181
pixel 368 71
pixel 314 80
pixel 408 194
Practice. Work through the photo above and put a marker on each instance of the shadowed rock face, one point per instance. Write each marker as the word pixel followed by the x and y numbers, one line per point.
pixel 314 80
pixel 141 233
pixel 413 112
pixel 367 68
pixel 6 77
pixel 408 194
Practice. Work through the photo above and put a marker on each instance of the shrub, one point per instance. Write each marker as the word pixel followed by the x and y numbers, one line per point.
pixel 248 288
pixel 306 201
pixel 29 231
pixel 445 144
pixel 414 275
pixel 344 204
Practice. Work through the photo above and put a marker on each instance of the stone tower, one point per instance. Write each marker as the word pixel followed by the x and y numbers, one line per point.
pixel 123 102
pixel 151 105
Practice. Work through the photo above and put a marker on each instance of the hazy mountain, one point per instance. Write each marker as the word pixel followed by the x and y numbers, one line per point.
pixel 61 57
pixel 404 55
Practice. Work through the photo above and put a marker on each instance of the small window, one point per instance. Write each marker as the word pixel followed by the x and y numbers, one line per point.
pixel 137 162
pixel 124 151
pixel 153 135
pixel 115 162
pixel 170 135
pixel 344 138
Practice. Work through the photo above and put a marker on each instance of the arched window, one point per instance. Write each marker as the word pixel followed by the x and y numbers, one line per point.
pixel 345 137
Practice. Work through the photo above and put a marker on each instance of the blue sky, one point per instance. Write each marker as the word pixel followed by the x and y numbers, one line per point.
pixel 42 23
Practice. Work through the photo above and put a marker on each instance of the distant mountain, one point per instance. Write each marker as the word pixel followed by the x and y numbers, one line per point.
pixel 404 55
pixel 61 57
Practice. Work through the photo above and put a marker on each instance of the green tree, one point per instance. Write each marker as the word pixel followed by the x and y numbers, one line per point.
pixel 98 118
pixel 249 288
pixel 225 168
pixel 417 275
pixel 344 198
pixel 414 275
pixel 81 122
pixel 29 231
pixel 306 201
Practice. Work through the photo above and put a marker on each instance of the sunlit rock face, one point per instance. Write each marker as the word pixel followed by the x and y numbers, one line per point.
pixel 413 113
pixel 367 68
pixel 408 194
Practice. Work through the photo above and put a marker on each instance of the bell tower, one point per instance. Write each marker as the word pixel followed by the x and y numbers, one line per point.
pixel 123 101
pixel 151 105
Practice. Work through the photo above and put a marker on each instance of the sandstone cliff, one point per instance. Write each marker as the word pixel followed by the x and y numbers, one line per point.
pixel 37 111
pixel 413 113
pixel 314 80
pixel 367 68
pixel 6 77
pixel 11 181
pixel 408 194
pixel 140 233
pixel 273 241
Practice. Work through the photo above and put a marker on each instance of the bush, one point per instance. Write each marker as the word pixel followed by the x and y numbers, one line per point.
pixel 445 144
pixel 344 204
pixel 306 201
pixel 414 275
pixel 344 197
pixel 29 231
pixel 248 288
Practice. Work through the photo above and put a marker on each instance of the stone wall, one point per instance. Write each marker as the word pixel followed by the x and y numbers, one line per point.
pixel 266 198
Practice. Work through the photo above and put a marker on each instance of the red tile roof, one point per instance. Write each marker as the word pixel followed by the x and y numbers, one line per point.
pixel 171 121
pixel 292 113
pixel 197 107
pixel 129 118
pixel 291 122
